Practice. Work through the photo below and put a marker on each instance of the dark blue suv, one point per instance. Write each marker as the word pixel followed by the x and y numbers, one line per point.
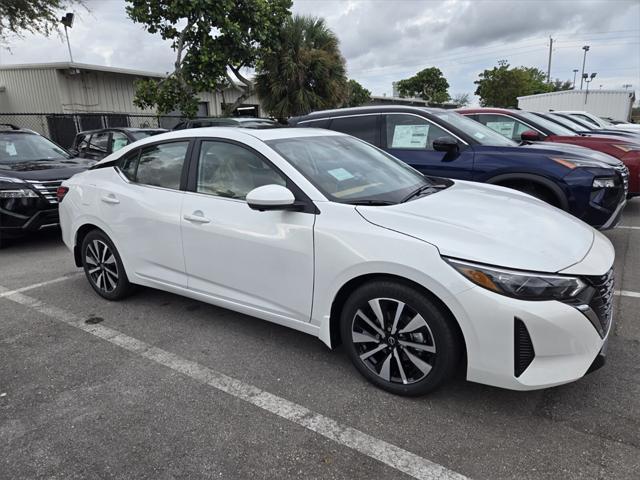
pixel 586 183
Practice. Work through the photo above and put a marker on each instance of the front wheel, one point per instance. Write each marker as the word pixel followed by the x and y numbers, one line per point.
pixel 103 267
pixel 399 339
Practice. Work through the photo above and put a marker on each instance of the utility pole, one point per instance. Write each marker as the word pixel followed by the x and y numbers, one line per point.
pixel 584 60
pixel 575 71
pixel 549 66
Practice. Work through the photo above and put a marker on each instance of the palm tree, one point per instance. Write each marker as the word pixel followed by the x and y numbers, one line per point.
pixel 305 73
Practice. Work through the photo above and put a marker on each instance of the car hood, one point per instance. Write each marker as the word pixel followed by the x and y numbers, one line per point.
pixel 491 225
pixel 44 170
pixel 585 154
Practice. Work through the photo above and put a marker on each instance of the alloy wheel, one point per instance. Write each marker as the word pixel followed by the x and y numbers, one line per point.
pixel 393 340
pixel 101 265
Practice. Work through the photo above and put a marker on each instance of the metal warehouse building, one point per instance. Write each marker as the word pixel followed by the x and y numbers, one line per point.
pixel 60 99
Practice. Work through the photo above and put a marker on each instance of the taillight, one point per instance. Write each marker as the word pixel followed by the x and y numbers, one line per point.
pixel 61 192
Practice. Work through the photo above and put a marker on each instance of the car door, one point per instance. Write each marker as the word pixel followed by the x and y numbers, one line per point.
pixel 260 260
pixel 142 207
pixel 410 137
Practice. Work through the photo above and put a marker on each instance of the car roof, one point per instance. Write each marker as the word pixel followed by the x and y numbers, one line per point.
pixel 122 129
pixel 369 109
pixel 11 128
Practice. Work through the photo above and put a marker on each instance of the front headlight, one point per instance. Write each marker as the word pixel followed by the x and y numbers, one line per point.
pixel 572 163
pixel 604 182
pixel 521 285
pixel 18 193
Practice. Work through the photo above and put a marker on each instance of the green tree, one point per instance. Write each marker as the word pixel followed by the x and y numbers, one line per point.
pixel 500 86
pixel 305 72
pixel 31 16
pixel 558 85
pixel 428 84
pixel 460 99
pixel 356 94
pixel 213 41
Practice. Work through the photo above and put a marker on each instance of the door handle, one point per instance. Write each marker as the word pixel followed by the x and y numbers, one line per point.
pixel 111 199
pixel 196 217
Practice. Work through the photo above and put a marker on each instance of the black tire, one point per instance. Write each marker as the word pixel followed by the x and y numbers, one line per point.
pixel 103 267
pixel 402 369
pixel 537 191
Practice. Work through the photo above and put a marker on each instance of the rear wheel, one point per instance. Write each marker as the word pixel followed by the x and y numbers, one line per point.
pixel 399 339
pixel 103 267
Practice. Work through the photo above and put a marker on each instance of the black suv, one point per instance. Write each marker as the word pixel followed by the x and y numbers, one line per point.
pixel 97 144
pixel 242 122
pixel 31 170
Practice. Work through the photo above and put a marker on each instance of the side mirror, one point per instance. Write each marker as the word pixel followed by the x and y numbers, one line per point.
pixel 445 144
pixel 271 197
pixel 530 136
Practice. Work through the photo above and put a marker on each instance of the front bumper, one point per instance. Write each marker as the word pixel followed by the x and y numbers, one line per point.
pixel 15 222
pixel 564 341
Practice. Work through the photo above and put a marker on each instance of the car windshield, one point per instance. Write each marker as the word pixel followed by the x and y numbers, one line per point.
pixel 554 128
pixel 578 121
pixel 348 170
pixel 483 135
pixel 565 122
pixel 28 147
pixel 140 134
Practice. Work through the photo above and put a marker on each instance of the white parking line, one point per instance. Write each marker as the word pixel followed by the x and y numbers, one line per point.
pixel 5 293
pixel 389 454
pixel 629 227
pixel 627 293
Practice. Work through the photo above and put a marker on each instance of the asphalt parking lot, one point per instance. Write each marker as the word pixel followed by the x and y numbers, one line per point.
pixel 163 387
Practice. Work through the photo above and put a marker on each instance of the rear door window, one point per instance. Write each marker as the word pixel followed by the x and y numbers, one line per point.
pixel 158 165
pixel 364 127
pixel 99 143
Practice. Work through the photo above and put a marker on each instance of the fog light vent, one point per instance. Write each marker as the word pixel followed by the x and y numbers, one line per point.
pixel 523 348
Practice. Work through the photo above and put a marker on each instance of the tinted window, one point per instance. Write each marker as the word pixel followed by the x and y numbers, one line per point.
pixel 228 170
pixel 128 165
pixel 118 140
pixel 587 119
pixel 480 133
pixel 364 127
pixel 506 126
pixel 99 142
pixel 161 165
pixel 409 132
pixel 82 141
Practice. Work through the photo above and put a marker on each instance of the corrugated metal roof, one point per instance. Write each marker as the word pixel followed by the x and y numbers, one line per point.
pixel 81 66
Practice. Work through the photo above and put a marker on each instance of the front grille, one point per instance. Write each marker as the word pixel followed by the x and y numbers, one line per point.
pixel 523 348
pixel 601 302
pixel 47 189
pixel 623 171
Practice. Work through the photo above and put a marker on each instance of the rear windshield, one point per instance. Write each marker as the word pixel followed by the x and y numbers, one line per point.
pixel 28 147
pixel 140 134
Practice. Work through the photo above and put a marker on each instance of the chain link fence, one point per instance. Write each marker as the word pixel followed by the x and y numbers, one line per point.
pixel 63 127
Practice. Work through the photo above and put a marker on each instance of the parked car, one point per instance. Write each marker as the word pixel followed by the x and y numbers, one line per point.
pixel 326 234
pixel 529 126
pixel 31 170
pixel 97 144
pixel 601 122
pixel 585 183
pixel 582 128
pixel 243 122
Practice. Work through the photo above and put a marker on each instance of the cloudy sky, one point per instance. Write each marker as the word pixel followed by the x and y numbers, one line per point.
pixel 387 40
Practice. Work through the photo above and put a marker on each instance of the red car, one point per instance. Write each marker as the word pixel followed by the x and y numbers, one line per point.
pixel 531 127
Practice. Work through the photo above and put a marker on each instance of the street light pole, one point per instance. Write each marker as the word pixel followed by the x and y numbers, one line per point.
pixel 575 71
pixel 584 60
pixel 67 21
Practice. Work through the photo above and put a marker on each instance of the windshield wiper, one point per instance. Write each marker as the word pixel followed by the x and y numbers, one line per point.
pixel 424 189
pixel 370 202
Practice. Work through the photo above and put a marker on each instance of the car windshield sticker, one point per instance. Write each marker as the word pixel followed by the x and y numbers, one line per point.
pixel 410 136
pixel 503 128
pixel 118 143
pixel 340 174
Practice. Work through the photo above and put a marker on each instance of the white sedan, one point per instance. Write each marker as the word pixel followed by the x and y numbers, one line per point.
pixel 326 234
